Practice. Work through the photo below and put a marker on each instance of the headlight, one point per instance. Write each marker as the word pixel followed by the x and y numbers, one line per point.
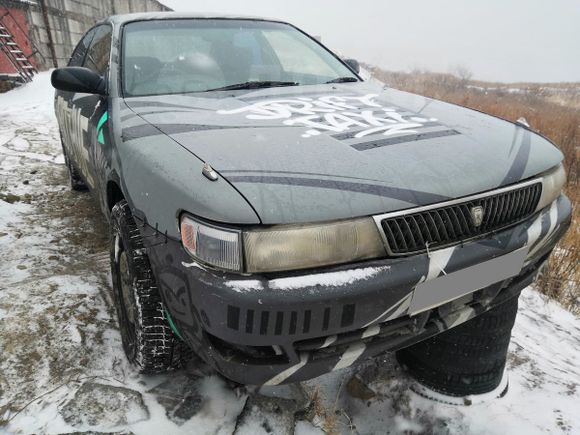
pixel 552 184
pixel 282 247
pixel 213 245
pixel 304 246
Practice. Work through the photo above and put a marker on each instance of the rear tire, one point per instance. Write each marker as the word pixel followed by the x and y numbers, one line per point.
pixel 75 180
pixel 148 341
pixel 468 359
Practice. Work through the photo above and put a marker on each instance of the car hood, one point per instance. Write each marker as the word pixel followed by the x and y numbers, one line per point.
pixel 315 153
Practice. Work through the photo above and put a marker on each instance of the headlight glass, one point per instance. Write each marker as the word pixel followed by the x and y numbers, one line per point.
pixel 215 246
pixel 552 184
pixel 305 246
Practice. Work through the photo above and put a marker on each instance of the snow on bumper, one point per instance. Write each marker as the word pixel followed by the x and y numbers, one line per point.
pixel 291 327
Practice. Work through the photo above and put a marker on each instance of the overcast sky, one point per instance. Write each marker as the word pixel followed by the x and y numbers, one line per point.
pixel 498 40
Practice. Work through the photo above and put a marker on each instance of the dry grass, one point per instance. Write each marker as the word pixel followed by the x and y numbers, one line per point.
pixel 561 279
pixel 551 109
pixel 328 417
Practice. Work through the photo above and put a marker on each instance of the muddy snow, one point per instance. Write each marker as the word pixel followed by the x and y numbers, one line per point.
pixel 62 369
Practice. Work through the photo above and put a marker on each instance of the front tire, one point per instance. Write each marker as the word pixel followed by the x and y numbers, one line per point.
pixel 148 341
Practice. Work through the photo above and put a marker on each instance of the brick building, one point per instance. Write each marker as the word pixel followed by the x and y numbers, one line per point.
pixel 41 34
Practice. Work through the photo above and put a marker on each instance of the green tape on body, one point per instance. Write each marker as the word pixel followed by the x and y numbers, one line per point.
pixel 102 120
pixel 171 324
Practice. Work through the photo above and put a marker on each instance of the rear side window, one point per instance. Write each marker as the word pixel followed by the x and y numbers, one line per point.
pixel 80 51
pixel 98 54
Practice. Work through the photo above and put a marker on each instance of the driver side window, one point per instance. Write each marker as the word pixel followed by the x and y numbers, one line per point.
pixel 80 51
pixel 98 54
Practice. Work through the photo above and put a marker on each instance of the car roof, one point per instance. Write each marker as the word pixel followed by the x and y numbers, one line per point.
pixel 143 16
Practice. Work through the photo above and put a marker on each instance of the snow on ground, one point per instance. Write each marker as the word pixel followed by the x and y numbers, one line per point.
pixel 62 369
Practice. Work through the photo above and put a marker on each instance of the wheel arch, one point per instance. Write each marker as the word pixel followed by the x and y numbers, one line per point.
pixel 114 194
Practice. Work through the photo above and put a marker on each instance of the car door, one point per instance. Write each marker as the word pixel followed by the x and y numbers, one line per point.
pixel 72 128
pixel 93 108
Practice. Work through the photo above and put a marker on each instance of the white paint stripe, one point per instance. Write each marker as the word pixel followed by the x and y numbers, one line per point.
pixel 553 220
pixel 117 247
pixel 329 340
pixel 384 313
pixel 282 376
pixel 350 356
pixel 463 316
pixel 535 230
pixel 553 217
pixel 402 308
pixel 438 261
pixel 370 331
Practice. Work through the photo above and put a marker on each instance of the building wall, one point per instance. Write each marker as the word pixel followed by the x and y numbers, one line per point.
pixel 16 24
pixel 68 20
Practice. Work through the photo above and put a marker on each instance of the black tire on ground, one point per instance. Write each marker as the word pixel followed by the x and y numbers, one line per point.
pixel 468 359
pixel 76 182
pixel 148 341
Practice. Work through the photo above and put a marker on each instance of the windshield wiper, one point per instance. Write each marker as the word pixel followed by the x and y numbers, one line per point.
pixel 343 80
pixel 254 85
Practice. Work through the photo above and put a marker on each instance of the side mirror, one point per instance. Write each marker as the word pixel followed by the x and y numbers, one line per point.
pixel 78 79
pixel 353 64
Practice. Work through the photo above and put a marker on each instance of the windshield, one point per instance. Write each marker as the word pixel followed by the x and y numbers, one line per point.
pixel 197 55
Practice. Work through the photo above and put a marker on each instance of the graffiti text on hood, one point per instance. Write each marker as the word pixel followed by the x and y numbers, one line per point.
pixel 335 114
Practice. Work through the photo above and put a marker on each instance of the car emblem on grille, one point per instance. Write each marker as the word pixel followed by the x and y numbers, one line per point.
pixel 476 215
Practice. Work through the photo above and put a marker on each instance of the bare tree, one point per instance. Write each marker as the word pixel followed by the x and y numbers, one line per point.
pixel 463 73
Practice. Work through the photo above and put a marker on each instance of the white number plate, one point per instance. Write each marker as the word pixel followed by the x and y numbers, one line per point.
pixel 446 288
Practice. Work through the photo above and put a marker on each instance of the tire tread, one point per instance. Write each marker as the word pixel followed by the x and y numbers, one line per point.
pixel 158 349
pixel 467 359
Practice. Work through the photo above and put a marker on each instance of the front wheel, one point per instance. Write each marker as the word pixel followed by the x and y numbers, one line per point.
pixel 148 341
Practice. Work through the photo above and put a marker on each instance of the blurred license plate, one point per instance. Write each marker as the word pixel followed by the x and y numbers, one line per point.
pixel 445 288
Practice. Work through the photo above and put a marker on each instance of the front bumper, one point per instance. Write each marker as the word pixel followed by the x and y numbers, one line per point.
pixel 286 328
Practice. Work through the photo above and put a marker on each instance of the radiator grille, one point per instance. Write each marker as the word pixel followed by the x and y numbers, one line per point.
pixel 448 225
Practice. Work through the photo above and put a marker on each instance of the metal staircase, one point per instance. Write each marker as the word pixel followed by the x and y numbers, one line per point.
pixel 14 53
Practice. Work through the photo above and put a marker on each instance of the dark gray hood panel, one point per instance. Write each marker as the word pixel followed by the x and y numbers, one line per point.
pixel 328 152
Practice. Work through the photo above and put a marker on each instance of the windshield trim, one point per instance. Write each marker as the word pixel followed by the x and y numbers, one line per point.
pixel 122 47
